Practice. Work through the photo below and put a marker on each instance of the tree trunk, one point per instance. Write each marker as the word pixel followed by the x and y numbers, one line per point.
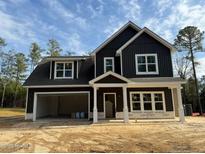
pixel 196 82
pixel 2 99
pixel 15 95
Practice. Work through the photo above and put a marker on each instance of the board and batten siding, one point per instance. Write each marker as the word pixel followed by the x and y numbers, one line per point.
pixel 145 44
pixel 110 50
pixel 167 94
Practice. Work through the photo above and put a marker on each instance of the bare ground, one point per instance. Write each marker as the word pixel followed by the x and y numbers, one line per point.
pixel 82 136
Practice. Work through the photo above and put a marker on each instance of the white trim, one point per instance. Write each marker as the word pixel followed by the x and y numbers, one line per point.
pixel 26 104
pixel 57 86
pixel 149 32
pixel 113 93
pixel 50 70
pixel 64 62
pixel 146 63
pixel 115 35
pixel 77 69
pixel 63 92
pixel 29 116
pixel 46 59
pixel 152 101
pixel 173 101
pixel 113 63
pixel 107 74
pixel 95 64
pixel 121 66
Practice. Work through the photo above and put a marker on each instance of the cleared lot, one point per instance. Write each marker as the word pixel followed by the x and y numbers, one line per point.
pixel 109 137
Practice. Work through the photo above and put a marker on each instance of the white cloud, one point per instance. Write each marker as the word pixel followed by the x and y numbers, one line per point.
pixel 74 44
pixel 15 29
pixel 178 16
pixel 200 69
pixel 95 11
pixel 114 24
pixel 131 9
pixel 65 14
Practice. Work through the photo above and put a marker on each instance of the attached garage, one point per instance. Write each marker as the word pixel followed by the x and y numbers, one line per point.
pixel 73 105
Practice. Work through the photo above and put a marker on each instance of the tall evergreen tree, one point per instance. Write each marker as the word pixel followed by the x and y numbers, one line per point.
pixel 3 79
pixel 20 69
pixel 53 48
pixel 7 71
pixel 190 39
pixel 34 55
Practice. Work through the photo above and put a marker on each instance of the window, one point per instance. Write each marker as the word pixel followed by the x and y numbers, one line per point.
pixel 64 70
pixel 146 64
pixel 158 100
pixel 108 64
pixel 136 102
pixel 147 101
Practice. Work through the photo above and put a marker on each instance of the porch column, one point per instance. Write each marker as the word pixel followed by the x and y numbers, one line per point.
pixel 125 108
pixel 95 110
pixel 180 106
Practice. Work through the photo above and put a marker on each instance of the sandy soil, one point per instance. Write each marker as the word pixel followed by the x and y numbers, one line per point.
pixel 106 137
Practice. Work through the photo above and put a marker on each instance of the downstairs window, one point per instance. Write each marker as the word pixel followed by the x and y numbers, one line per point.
pixel 147 101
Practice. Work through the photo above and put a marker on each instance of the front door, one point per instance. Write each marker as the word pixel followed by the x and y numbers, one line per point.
pixel 110 105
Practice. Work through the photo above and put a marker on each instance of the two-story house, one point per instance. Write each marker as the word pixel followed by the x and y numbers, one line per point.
pixel 128 76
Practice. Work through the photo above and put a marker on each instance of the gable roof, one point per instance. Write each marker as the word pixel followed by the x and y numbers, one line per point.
pixel 152 34
pixel 137 28
pixel 107 74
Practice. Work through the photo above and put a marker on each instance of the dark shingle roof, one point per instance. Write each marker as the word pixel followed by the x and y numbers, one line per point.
pixel 40 76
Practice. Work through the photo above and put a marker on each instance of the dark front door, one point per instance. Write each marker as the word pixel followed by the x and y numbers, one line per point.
pixel 110 105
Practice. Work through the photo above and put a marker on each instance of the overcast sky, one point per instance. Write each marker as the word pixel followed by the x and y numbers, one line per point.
pixel 81 25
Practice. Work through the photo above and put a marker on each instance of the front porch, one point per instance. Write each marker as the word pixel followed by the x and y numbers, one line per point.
pixel 123 109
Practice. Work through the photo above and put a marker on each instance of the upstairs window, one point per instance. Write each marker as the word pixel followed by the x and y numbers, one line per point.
pixel 108 64
pixel 64 70
pixel 146 64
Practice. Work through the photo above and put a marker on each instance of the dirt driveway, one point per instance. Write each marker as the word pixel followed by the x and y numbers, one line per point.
pixel 85 137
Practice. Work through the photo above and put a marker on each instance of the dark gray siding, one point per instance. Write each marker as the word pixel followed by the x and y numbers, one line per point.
pixel 142 45
pixel 110 79
pixel 32 90
pixel 110 50
pixel 167 92
pixel 119 98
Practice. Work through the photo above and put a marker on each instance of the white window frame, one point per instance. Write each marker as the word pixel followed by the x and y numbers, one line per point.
pixel 146 55
pixel 113 63
pixel 55 77
pixel 152 100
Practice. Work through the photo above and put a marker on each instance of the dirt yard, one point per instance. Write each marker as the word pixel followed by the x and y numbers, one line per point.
pixel 82 136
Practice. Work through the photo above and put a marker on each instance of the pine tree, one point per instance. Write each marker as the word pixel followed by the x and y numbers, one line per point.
pixel 190 39
pixel 54 49
pixel 35 54
pixel 20 69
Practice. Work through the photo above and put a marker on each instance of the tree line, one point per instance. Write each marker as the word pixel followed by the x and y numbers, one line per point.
pixel 16 65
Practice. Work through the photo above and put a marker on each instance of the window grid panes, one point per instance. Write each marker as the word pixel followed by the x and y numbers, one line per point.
pixel 145 101
pixel 136 102
pixel 109 64
pixel 146 63
pixel 158 100
pixel 64 70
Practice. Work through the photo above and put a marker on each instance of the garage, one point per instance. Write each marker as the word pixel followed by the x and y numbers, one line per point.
pixel 71 105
